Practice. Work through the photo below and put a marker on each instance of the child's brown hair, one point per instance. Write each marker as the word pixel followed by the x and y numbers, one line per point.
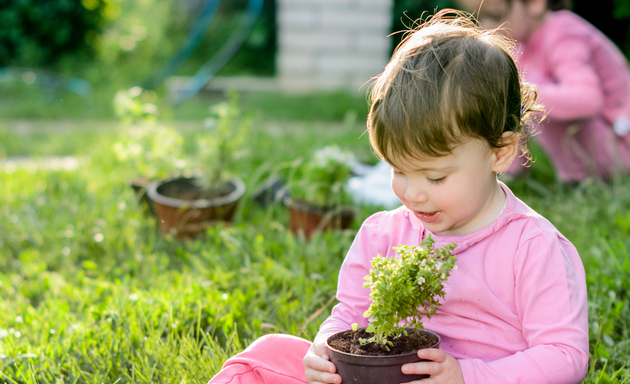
pixel 448 80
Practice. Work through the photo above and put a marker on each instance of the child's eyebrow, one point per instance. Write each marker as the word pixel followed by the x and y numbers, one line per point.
pixel 435 168
pixel 445 168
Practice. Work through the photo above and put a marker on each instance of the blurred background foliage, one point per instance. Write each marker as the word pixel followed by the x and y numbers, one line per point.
pixel 41 33
pixel 114 44
pixel 125 41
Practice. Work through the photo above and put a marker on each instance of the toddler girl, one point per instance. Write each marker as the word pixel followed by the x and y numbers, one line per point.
pixel 447 114
pixel 583 81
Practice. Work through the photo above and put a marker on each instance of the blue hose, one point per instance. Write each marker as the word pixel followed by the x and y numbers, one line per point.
pixel 210 68
pixel 197 31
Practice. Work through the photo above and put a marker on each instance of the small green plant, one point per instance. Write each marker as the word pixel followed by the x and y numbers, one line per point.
pixel 400 286
pixel 219 146
pixel 148 148
pixel 321 180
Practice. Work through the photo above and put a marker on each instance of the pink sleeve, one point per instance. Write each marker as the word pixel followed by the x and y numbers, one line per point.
pixel 353 299
pixel 552 305
pixel 574 91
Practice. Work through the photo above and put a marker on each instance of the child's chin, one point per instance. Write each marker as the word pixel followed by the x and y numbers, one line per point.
pixel 435 228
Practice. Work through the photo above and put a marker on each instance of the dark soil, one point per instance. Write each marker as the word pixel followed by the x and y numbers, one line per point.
pixel 196 191
pixel 348 341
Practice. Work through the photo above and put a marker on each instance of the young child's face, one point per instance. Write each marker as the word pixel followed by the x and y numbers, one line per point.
pixel 519 18
pixel 453 194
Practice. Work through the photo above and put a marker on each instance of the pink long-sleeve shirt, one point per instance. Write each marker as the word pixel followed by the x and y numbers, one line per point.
pixel 580 73
pixel 583 81
pixel 515 310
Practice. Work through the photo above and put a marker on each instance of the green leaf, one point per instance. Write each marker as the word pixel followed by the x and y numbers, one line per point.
pixel 602 351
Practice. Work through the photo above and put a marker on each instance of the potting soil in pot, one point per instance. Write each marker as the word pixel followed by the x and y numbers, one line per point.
pixel 348 342
pixel 196 191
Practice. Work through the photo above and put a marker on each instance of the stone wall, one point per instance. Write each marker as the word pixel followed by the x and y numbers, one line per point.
pixel 331 44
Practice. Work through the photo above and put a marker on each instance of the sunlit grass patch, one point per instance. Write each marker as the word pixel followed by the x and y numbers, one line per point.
pixel 90 293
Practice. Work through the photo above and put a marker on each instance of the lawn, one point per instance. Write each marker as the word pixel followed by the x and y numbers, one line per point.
pixel 90 293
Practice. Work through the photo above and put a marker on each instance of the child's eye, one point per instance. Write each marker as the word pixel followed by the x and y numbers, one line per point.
pixel 396 172
pixel 437 181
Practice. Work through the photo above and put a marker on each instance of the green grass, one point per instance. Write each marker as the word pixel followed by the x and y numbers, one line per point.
pixel 19 101
pixel 89 293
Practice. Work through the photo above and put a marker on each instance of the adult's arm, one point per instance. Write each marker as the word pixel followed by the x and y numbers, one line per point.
pixel 573 91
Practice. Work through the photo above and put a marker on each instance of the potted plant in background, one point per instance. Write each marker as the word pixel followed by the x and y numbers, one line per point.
pixel 317 199
pixel 187 205
pixel 147 148
pixel 399 289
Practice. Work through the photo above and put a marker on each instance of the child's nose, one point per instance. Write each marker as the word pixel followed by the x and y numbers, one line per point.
pixel 415 193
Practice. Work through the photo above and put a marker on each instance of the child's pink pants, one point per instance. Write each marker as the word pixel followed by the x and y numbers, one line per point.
pixel 581 149
pixel 271 359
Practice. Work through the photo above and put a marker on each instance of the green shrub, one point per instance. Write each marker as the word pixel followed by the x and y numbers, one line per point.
pixel 399 286
pixel 321 179
pixel 41 32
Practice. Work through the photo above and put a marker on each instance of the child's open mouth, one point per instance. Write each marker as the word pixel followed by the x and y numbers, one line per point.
pixel 428 217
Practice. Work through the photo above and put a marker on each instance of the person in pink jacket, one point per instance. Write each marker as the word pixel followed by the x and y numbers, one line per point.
pixel 583 81
pixel 447 114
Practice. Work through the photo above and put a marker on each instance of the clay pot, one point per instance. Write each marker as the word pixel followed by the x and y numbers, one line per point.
pixel 307 218
pixel 185 209
pixel 366 369
pixel 139 186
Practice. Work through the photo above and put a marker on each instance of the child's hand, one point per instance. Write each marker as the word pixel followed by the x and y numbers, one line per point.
pixel 442 368
pixel 317 367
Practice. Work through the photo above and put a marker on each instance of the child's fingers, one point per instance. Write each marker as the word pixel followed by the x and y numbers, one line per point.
pixel 319 349
pixel 441 368
pixel 433 354
pixel 422 368
pixel 432 367
pixel 314 377
pixel 318 363
pixel 318 367
pixel 321 373
pixel 319 370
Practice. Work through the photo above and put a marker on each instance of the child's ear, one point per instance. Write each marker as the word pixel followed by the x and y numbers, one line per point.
pixel 503 157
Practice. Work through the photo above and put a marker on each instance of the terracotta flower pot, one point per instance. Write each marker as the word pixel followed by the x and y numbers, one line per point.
pixel 184 208
pixel 367 369
pixel 307 218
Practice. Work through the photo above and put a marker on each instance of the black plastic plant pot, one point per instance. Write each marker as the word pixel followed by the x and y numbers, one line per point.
pixel 139 186
pixel 271 191
pixel 365 369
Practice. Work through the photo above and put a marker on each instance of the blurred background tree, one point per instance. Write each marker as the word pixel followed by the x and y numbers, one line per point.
pixel 125 41
pixel 406 12
pixel 117 44
pixel 612 17
pixel 149 32
pixel 40 33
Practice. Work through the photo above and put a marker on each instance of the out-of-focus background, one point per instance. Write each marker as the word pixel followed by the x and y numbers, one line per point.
pixel 65 58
